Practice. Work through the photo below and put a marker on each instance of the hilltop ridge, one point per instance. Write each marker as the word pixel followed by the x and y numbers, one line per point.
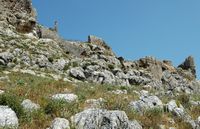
pixel 28 48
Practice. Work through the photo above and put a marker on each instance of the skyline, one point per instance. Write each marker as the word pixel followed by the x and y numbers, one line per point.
pixel 134 29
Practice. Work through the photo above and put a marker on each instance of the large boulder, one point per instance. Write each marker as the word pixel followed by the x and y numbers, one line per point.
pixel 77 73
pixel 8 118
pixel 180 113
pixel 146 102
pixel 101 119
pixel 189 64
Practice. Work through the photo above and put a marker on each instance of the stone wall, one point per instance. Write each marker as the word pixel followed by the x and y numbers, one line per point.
pixel 18 13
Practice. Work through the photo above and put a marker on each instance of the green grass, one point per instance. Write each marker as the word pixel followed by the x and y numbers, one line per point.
pixel 40 90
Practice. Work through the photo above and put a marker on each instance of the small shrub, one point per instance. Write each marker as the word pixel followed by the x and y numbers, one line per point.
pixel 61 109
pixel 54 107
pixel 184 100
pixel 182 125
pixel 111 66
pixel 20 82
pixel 195 111
pixel 13 102
pixel 50 59
pixel 66 67
pixel 74 64
pixel 152 117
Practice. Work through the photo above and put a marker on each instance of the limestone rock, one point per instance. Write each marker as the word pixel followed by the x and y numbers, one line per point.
pixel 1 92
pixel 6 57
pixel 29 105
pixel 98 41
pixel 65 97
pixel 8 118
pixel 146 102
pixel 94 103
pixel 135 125
pixel 101 119
pixel 77 73
pixel 60 123
pixel 171 105
pixel 189 64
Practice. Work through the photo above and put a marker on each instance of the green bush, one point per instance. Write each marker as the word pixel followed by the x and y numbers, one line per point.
pixel 111 66
pixel 54 107
pixel 184 100
pixel 152 117
pixel 13 102
pixel 60 108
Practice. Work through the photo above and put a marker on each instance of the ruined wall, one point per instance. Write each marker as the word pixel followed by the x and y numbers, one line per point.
pixel 18 13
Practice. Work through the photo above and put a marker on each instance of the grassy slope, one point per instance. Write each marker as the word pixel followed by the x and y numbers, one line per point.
pixel 39 90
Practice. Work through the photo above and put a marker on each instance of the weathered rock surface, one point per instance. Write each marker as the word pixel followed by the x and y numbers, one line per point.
pixel 65 97
pixel 60 123
pixel 146 102
pixel 189 64
pixel 29 105
pixel 102 119
pixel 8 118
pixel 181 113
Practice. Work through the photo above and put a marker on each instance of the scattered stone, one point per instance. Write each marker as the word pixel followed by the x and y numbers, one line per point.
pixel 8 118
pixel 65 97
pixel 146 102
pixel 144 93
pixel 28 105
pixel 77 73
pixel 118 92
pixel 171 105
pixel 1 92
pixel 94 103
pixel 135 125
pixel 60 123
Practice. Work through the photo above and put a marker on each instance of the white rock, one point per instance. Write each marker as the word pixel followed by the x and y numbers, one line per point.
pixel 29 105
pixel 144 93
pixel 146 102
pixel 28 71
pixel 118 92
pixel 94 103
pixel 101 119
pixel 1 92
pixel 65 97
pixel 135 125
pixel 77 73
pixel 8 117
pixel 198 120
pixel 171 105
pixel 60 123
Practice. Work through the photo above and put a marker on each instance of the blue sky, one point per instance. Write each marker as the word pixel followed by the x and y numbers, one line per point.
pixel 165 29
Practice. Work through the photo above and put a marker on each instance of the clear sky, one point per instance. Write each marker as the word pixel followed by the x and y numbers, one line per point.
pixel 165 29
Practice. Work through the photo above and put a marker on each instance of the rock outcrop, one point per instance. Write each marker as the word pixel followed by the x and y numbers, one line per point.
pixel 30 48
pixel 59 123
pixel 102 119
pixel 8 118
pixel 189 64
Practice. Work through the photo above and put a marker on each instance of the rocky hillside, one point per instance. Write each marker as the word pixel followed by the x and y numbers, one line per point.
pixel 49 82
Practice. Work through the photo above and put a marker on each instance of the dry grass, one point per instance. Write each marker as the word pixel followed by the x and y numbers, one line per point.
pixel 39 90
